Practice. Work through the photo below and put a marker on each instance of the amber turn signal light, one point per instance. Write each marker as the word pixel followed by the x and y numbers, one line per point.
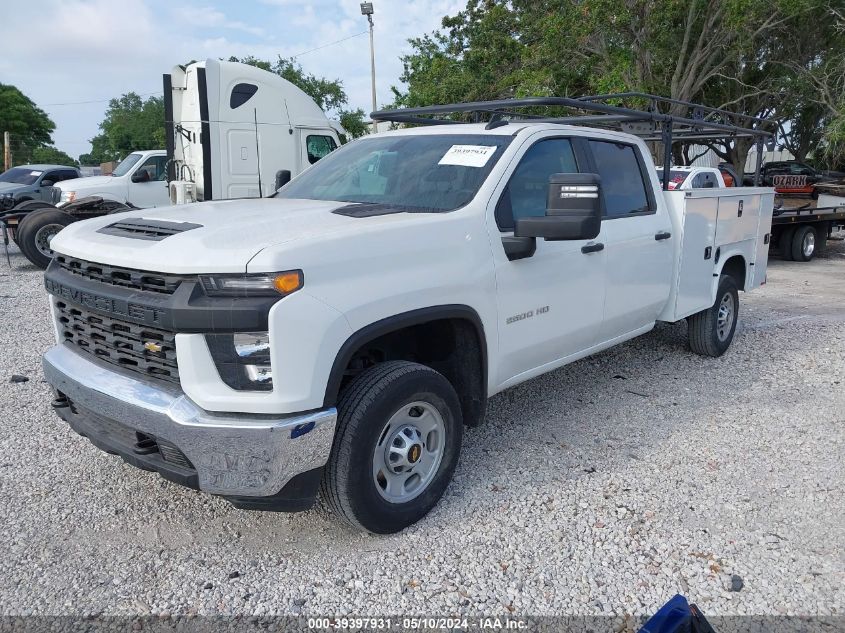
pixel 288 282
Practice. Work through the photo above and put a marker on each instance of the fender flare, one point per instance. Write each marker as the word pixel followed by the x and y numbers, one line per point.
pixel 723 259
pixel 397 322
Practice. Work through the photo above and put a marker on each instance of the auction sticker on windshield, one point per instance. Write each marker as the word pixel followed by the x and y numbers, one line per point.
pixel 468 155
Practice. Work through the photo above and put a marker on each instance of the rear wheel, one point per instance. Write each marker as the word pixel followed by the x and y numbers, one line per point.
pixel 804 243
pixel 396 447
pixel 37 230
pixel 712 330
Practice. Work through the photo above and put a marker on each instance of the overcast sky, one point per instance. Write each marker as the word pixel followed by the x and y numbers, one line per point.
pixel 67 51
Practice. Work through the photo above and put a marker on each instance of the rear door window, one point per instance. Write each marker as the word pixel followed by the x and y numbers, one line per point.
pixel 623 182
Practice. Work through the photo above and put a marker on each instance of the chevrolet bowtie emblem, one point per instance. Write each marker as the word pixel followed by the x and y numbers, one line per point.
pixel 152 346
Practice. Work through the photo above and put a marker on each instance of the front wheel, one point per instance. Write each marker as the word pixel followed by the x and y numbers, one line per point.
pixel 37 230
pixel 396 447
pixel 712 330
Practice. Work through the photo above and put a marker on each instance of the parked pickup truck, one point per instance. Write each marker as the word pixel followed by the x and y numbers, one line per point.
pixel 684 178
pixel 31 182
pixel 139 180
pixel 224 139
pixel 338 335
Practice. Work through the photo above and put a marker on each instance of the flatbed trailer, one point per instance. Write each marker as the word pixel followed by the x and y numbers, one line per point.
pixel 799 233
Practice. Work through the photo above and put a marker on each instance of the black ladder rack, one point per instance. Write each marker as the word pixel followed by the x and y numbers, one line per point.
pixel 663 119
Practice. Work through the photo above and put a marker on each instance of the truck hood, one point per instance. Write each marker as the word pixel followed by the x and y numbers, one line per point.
pixel 11 187
pixel 226 236
pixel 89 182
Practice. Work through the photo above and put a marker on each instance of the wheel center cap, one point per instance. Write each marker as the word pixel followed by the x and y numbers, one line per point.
pixel 414 453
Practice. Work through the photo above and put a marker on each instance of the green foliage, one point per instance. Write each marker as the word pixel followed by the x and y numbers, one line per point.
pixel 353 122
pixel 833 154
pixel 326 93
pixel 131 124
pixel 28 125
pixel 748 56
pixel 51 156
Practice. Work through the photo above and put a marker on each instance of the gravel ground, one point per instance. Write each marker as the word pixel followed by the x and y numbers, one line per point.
pixel 604 487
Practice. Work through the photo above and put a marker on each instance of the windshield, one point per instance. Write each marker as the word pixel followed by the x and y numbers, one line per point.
pixel 425 172
pixel 126 164
pixel 20 175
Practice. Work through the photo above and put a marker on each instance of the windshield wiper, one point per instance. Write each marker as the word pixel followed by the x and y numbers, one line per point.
pixel 371 209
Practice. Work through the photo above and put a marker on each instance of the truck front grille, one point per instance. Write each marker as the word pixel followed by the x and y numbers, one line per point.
pixel 138 348
pixel 125 277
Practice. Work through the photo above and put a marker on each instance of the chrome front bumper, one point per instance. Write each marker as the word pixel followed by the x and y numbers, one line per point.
pixel 233 455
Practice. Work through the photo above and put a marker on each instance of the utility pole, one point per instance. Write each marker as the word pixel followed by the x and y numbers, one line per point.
pixel 7 152
pixel 367 9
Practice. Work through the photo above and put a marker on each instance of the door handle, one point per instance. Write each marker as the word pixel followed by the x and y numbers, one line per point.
pixel 663 235
pixel 592 248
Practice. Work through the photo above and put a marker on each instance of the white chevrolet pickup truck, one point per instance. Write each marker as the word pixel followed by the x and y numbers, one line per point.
pixel 338 335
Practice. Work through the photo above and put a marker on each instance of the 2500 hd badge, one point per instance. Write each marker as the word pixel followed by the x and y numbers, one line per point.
pixel 526 315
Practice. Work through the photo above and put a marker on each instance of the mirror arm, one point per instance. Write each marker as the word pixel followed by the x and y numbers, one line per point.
pixel 519 247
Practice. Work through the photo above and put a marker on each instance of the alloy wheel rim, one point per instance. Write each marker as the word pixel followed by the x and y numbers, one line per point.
pixel 409 451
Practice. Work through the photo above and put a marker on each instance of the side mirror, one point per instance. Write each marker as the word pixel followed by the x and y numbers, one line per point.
pixel 282 178
pixel 46 183
pixel 573 210
pixel 142 175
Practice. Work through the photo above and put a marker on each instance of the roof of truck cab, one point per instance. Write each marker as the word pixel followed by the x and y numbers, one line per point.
pixel 42 167
pixel 509 129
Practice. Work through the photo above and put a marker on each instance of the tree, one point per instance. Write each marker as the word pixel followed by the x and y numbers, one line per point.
pixel 822 76
pixel 28 125
pixel 326 93
pixel 51 155
pixel 728 53
pixel 353 122
pixel 130 124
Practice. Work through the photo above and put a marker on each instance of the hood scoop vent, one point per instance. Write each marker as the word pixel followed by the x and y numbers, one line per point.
pixel 142 229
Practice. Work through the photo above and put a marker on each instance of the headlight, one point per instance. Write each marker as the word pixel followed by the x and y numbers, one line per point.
pixel 67 196
pixel 252 285
pixel 242 359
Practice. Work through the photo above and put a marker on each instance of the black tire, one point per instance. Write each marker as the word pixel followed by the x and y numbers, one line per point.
pixel 708 335
pixel 37 228
pixel 785 243
pixel 804 243
pixel 366 405
pixel 821 237
pixel 32 205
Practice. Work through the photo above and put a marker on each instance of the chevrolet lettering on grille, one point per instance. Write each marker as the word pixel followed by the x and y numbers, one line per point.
pixel 137 312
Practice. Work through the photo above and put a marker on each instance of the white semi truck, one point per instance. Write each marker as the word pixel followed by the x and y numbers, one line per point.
pixel 230 128
pixel 338 335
